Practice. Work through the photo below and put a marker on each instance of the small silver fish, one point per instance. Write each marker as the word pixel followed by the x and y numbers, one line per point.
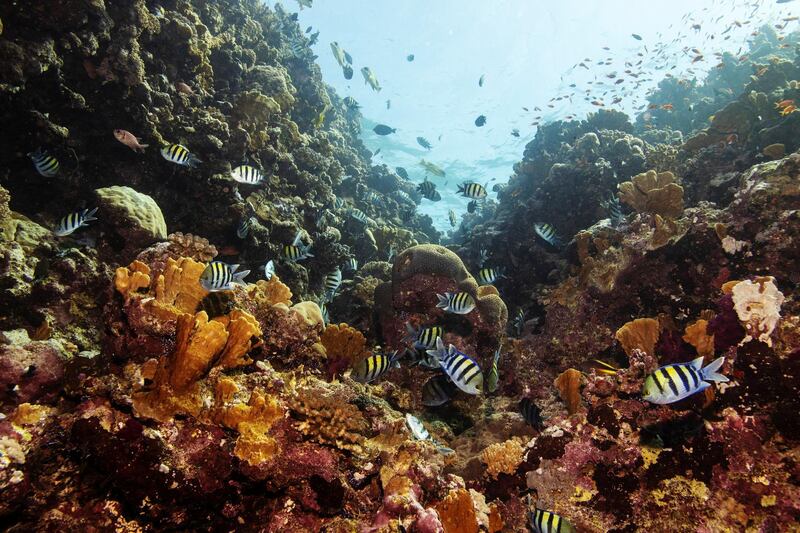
pixel 269 270
pixel 73 221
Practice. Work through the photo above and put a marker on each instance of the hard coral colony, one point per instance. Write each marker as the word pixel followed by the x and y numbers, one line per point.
pixel 228 316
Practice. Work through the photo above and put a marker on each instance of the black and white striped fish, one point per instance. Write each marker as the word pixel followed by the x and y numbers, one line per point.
pixel 547 233
pixel 424 337
pixel 547 522
pixel 338 203
pixel 483 256
pixel 358 215
pixel 351 265
pixel 297 251
pixel 243 229
pixel 323 310
pixel 374 366
pixel 473 206
pixel 672 383
pixel 531 413
pixel 488 275
pixel 463 370
pixel 247 174
pixel 459 303
pixel 73 221
pixel 332 282
pixel 180 155
pixel 269 270
pixel 493 376
pixel 428 191
pixel 519 322
pixel 419 356
pixel 373 197
pixel 472 190
pixel 219 276
pixel 403 196
pixel 437 391
pixel 614 210
pixel 46 165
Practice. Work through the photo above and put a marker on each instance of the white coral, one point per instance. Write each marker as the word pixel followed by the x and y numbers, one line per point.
pixel 758 305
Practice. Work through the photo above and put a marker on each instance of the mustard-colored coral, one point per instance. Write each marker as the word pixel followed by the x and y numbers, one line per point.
pixel 178 288
pixel 267 293
pixel 641 333
pixel 457 512
pixel 130 279
pixel 569 388
pixel 241 327
pixel 344 342
pixel 655 193
pixel 679 488
pixel 198 341
pixel 697 335
pixel 503 457
pixel 253 421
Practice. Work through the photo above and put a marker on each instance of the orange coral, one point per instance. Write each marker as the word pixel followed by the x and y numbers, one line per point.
pixel 641 333
pixel 652 192
pixel 253 422
pixel 495 519
pixel 272 292
pixel 198 341
pixel 569 388
pixel 344 342
pixel 178 287
pixel 457 512
pixel 242 327
pixel 131 279
pixel 503 457
pixel 697 335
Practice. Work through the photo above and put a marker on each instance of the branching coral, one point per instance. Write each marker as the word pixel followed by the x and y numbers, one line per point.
pixel 129 280
pixel 641 334
pixel 655 193
pixel 758 305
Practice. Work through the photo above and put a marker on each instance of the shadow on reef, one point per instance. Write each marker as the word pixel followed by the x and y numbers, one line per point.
pixel 134 399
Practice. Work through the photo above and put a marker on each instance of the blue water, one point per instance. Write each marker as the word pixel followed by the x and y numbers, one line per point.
pixel 526 50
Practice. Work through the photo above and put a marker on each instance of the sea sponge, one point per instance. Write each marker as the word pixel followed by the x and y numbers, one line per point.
pixel 344 346
pixel 569 388
pixel 641 334
pixel 758 305
pixel 178 287
pixel 198 342
pixel 457 512
pixel 655 193
pixel 697 335
pixel 503 457
pixel 134 216
pixel 241 327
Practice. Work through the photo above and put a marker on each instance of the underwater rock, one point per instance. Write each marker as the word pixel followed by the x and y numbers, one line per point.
pixel 134 217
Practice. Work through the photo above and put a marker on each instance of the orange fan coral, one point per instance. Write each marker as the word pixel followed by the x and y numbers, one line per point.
pixel 696 335
pixel 344 345
pixel 569 388
pixel 641 333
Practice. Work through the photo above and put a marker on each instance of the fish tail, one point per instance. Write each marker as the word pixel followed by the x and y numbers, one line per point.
pixel 307 251
pixel 193 161
pixel 90 215
pixel 709 372
pixel 141 148
pixel 444 300
pixel 412 333
pixel 238 277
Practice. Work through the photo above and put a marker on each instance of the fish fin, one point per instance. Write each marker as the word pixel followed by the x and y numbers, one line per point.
pixel 443 300
pixel 234 268
pixel 497 356
pixel 193 162
pixel 297 241
pixel 239 277
pixel 697 364
pixel 709 372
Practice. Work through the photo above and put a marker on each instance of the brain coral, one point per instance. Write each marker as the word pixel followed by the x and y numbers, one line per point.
pixel 134 216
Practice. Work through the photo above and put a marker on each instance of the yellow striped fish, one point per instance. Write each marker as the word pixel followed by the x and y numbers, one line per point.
pixel 473 190
pixel 371 368
pixel 424 337
pixel 547 522
pixel 462 369
pixel 297 251
pixel 219 276
pixel 247 174
pixel 488 275
pixel 46 165
pixel 459 303
pixel 73 221
pixel 547 233
pixel 180 155
pixel 672 383
pixel 494 373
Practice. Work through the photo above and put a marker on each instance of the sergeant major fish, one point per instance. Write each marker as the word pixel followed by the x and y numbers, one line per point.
pixel 452 216
pixel 219 276
pixel 459 303
pixel 493 375
pixel 473 190
pixel 422 141
pixel 428 191
pixel 332 283
pixel 547 233
pixel 488 275
pixel 180 155
pixel 46 165
pixel 73 221
pixel 424 337
pixel 297 251
pixel 437 391
pixel 672 383
pixel 374 366
pixel 548 522
pixel 461 368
